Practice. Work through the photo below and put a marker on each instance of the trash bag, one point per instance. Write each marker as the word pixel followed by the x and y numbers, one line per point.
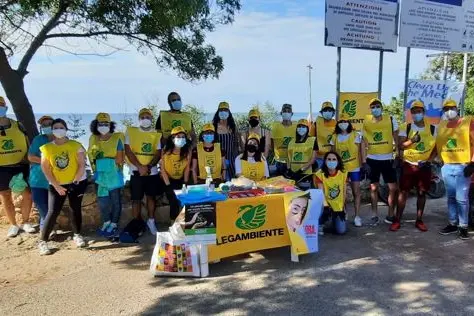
pixel 18 184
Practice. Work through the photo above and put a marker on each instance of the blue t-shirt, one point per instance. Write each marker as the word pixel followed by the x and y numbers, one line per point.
pixel 37 178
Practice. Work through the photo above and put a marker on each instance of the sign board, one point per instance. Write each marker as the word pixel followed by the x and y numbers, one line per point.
pixel 366 24
pixel 354 107
pixel 445 25
pixel 433 93
pixel 200 223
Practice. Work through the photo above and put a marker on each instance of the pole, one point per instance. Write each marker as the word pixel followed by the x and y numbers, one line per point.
pixel 310 95
pixel 407 78
pixel 445 66
pixel 464 80
pixel 380 74
pixel 338 80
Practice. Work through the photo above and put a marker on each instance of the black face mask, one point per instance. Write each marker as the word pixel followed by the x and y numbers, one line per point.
pixel 251 148
pixel 254 122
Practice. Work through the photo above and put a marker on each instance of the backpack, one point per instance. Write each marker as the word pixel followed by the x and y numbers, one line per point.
pixel 134 229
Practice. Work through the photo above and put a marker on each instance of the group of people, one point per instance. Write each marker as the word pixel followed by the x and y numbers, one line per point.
pixel 324 154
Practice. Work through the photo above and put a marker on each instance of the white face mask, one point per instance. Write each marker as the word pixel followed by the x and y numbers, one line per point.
pixel 179 142
pixel 145 123
pixel 59 132
pixel 451 114
pixel 286 116
pixel 103 129
pixel 343 126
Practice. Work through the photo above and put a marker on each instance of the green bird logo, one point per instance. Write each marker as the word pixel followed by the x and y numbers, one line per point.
pixel 8 144
pixel 378 136
pixel 420 146
pixel 298 156
pixel 349 107
pixel 345 155
pixel 175 123
pixel 251 217
pixel 452 143
pixel 146 147
pixel 328 139
pixel 334 191
pixel 286 141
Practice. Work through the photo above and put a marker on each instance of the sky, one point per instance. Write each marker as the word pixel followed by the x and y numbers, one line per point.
pixel 266 52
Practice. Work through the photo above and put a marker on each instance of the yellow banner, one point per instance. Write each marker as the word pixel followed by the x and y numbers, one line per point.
pixel 249 224
pixel 355 106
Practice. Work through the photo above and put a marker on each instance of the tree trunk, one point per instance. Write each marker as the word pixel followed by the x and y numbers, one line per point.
pixel 14 88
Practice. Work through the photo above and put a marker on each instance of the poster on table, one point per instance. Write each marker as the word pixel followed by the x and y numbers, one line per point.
pixel 200 223
pixel 445 25
pixel 302 211
pixel 433 93
pixel 354 106
pixel 365 24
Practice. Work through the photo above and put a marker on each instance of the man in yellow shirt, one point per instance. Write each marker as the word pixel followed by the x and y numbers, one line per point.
pixel 323 129
pixel 281 134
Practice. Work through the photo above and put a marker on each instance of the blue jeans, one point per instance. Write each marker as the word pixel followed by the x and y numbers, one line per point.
pixel 457 190
pixel 40 198
pixel 281 168
pixel 111 206
pixel 338 219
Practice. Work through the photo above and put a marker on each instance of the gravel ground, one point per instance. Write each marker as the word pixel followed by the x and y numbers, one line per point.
pixel 369 271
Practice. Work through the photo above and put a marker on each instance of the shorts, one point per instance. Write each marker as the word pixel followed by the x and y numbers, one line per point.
pixel 355 176
pixel 384 168
pixel 7 173
pixel 412 176
pixel 146 185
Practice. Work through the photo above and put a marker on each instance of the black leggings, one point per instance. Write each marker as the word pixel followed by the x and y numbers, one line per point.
pixel 174 202
pixel 75 193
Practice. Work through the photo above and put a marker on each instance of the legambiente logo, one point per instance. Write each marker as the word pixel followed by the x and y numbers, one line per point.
pixel 251 217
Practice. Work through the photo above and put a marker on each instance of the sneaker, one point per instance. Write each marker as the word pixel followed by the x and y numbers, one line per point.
pixel 28 228
pixel 358 221
pixel 43 248
pixel 79 240
pixel 395 226
pixel 321 230
pixel 53 234
pixel 374 221
pixel 111 230
pixel 152 226
pixel 463 234
pixel 389 219
pixel 420 225
pixel 13 231
pixel 450 229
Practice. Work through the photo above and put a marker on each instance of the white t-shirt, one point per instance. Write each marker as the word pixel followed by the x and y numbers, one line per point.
pixel 238 165
pixel 154 169
pixel 403 133
pixel 385 156
pixel 343 138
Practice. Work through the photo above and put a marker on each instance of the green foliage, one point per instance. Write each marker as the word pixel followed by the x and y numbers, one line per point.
pixel 268 114
pixel 198 117
pixel 395 107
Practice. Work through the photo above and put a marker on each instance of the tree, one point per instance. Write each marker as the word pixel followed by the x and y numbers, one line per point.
pixel 268 114
pixel 172 31
pixel 395 107
pixel 75 128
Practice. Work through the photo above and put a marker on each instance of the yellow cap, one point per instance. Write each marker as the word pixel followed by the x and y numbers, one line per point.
pixel 417 104
pixel 103 117
pixel 327 105
pixel 2 101
pixel 254 113
pixel 303 122
pixel 224 105
pixel 374 100
pixel 208 127
pixel 450 103
pixel 43 118
pixel 177 130
pixel 145 111
pixel 254 136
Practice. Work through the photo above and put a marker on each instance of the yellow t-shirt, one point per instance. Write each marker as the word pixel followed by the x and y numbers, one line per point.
pixel 379 135
pixel 282 135
pixel 334 189
pixel 174 165
pixel 453 144
pixel 63 160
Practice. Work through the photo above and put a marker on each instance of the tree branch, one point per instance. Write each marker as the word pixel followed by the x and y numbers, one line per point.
pixel 39 39
pixel 90 34
pixel 81 54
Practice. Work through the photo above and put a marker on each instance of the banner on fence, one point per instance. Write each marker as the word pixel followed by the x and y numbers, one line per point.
pixel 355 106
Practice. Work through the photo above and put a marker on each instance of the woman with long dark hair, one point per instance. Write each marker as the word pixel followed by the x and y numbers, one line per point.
pixel 251 163
pixel 208 155
pixel 331 179
pixel 175 165
pixel 302 152
pixel 228 136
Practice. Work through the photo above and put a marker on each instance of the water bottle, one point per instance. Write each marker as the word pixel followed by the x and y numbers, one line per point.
pixel 184 189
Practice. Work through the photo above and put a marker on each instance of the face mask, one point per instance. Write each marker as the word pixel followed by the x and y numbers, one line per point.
pixel 451 114
pixel 331 164
pixel 327 115
pixel 376 112
pixel 179 142
pixel 223 115
pixel 59 132
pixel 177 105
pixel 145 123
pixel 103 129
pixel 46 130
pixel 254 122
pixel 343 126
pixel 3 111
pixel 418 117
pixel 286 116
pixel 301 131
pixel 251 148
pixel 208 138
